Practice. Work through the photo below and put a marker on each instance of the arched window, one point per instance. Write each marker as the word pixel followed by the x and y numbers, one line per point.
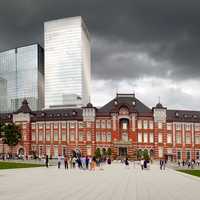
pixel 123 111
pixel 124 124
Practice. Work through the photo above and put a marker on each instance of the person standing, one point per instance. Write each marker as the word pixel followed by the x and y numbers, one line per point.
pixel 66 162
pixel 71 162
pixel 126 162
pixel 47 161
pixel 74 162
pixel 83 162
pixel 109 161
pixel 93 164
pixel 161 164
pixel 142 163
pixel 164 164
pixel 87 162
pixel 59 161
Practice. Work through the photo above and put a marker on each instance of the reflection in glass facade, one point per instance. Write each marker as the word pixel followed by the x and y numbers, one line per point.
pixel 67 63
pixel 22 76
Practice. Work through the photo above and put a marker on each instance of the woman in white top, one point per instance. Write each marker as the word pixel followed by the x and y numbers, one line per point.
pixel 142 164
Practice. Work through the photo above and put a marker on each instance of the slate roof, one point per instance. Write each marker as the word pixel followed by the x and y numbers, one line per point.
pixel 6 117
pixel 159 105
pixel 183 116
pixel 131 102
pixel 24 107
pixel 57 114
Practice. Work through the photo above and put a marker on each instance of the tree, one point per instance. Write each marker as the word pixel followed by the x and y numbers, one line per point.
pixel 109 152
pixel 12 135
pixel 97 153
pixel 104 153
pixel 139 154
pixel 2 125
pixel 146 154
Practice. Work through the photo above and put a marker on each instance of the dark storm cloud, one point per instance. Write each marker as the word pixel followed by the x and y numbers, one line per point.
pixel 165 32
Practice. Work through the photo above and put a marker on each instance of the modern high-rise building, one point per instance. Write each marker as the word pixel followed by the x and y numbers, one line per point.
pixel 22 76
pixel 67 63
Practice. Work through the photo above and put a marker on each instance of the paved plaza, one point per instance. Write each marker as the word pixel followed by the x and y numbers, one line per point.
pixel 114 182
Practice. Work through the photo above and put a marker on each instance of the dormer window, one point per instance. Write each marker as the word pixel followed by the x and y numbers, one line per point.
pixel 133 103
pixel 115 102
pixel 74 113
pixel 185 115
pixel 42 114
pixel 177 114
pixel 195 116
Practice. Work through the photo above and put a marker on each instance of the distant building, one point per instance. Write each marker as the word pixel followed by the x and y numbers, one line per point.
pixel 67 63
pixel 125 125
pixel 22 76
pixel 3 95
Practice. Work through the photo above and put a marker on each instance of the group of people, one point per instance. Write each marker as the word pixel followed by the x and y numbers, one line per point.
pixel 163 163
pixel 125 161
pixel 189 163
pixel 82 162
pixel 144 164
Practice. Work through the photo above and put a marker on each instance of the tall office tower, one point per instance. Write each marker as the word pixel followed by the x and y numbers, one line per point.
pixel 22 76
pixel 67 63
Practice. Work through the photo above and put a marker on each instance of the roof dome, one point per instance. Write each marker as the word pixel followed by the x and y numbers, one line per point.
pixel 24 102
pixel 89 105
pixel 24 107
pixel 159 105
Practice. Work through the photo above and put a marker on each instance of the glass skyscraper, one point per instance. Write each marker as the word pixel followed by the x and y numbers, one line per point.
pixel 22 76
pixel 67 63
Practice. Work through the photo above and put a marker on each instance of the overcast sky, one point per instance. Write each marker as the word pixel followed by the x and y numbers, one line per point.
pixel 150 47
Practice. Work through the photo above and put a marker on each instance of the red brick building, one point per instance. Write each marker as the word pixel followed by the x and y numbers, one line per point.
pixel 124 124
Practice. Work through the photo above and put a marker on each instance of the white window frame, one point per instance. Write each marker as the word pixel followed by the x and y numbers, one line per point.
pixel 145 137
pixel 160 138
pixel 151 137
pixel 140 137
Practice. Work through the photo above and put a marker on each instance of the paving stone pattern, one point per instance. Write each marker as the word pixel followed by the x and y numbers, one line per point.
pixel 115 182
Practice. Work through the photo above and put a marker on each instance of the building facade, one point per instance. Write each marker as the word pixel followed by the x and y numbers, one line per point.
pixel 125 125
pixel 67 63
pixel 22 76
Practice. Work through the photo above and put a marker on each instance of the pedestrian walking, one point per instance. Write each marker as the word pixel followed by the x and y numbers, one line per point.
pixel 74 162
pixel 145 164
pixel 87 162
pixel 93 163
pixel 79 163
pixel 183 163
pixel 71 162
pixel 109 161
pixel 66 162
pixel 164 164
pixel 47 161
pixel 142 163
pixel 189 164
pixel 83 162
pixel 161 164
pixel 126 162
pixel 59 161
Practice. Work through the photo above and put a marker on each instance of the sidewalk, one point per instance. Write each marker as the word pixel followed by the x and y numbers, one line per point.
pixel 114 182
